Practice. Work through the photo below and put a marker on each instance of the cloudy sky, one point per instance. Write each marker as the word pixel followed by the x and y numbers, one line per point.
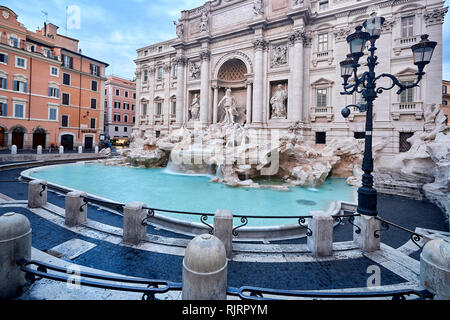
pixel 111 31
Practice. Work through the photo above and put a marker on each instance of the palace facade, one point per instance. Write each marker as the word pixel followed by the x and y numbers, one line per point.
pixel 280 59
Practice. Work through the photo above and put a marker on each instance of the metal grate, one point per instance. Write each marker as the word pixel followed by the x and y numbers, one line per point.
pixel 404 144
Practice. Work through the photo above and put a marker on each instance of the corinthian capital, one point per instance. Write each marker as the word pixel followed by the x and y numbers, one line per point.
pixel 297 36
pixel 259 44
pixel 435 16
pixel 205 55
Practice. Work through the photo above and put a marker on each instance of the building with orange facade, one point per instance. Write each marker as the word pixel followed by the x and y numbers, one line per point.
pixel 50 94
pixel 446 99
pixel 120 105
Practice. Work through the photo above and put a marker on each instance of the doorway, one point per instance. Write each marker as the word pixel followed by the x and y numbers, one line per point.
pixel 67 141
pixel 18 137
pixel 2 138
pixel 39 138
pixel 88 143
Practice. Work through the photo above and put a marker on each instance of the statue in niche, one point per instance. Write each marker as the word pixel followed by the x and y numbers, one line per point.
pixel 278 102
pixel 194 108
pixel 228 103
pixel 204 21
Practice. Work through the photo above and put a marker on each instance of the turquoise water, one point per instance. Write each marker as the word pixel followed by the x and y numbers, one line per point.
pixel 159 189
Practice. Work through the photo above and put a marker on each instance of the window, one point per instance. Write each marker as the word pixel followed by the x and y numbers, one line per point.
pixel 360 135
pixel 133 107
pixel 93 103
pixel 64 121
pixel 126 94
pixel 93 123
pixel 144 109
pixel 53 92
pixel 159 108
pixel 444 89
pixel 94 85
pixel 126 106
pixel 175 70
pixel 408 94
pixel 321 138
pixel 14 41
pixel 134 95
pixel 160 49
pixel 116 117
pixel 21 63
pixel 19 110
pixel 117 92
pixel 54 71
pixel 3 83
pixel 116 129
pixel 65 99
pixel 160 73
pixel 106 104
pixel 125 118
pixel 445 102
pixel 95 70
pixel 52 114
pixel 66 79
pixel 125 129
pixel 323 42
pixel 3 109
pixel 405 146
pixel 67 61
pixel 158 134
pixel 408 26
pixel 174 107
pixel 321 98
pixel 145 75
pixel 116 105
pixel 323 5
pixel 20 86
pixel 134 119
pixel 3 58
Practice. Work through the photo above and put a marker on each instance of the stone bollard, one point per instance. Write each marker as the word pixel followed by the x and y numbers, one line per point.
pixel 133 230
pixel 15 245
pixel 76 210
pixel 366 239
pixel 223 229
pixel 37 193
pixel 205 268
pixel 321 241
pixel 435 268
pixel 13 149
pixel 96 149
pixel 39 150
pixel 61 150
pixel 80 149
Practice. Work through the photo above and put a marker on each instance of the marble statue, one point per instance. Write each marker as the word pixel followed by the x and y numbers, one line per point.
pixel 194 70
pixel 179 29
pixel 194 108
pixel 204 21
pixel 279 55
pixel 431 111
pixel 258 7
pixel 278 103
pixel 228 103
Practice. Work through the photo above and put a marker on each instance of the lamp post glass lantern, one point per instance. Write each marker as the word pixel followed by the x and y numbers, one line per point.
pixel 366 85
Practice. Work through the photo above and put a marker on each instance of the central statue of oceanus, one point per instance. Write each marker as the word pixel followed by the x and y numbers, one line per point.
pixel 228 103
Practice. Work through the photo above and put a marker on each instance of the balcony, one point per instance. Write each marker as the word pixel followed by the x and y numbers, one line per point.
pixel 321 112
pixel 319 56
pixel 404 43
pixel 407 108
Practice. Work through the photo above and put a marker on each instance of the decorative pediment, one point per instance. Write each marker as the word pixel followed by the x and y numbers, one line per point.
pixel 322 81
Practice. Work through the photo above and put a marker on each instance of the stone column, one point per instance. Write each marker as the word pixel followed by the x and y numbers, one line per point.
pixel 15 245
pixel 321 241
pixel 133 230
pixel 76 210
pixel 205 269
pixel 181 61
pixel 204 87
pixel 258 85
pixel 37 193
pixel 249 102
pixel 435 268
pixel 366 239
pixel 216 103
pixel 223 229
pixel 296 105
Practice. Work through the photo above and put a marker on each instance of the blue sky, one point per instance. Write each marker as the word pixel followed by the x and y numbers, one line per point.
pixel 111 31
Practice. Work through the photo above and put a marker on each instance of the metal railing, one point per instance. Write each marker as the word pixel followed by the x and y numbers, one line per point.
pixel 255 293
pixel 36 270
pixel 415 237
pixel 104 203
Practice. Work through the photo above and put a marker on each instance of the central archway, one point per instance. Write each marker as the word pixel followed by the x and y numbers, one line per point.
pixel 232 70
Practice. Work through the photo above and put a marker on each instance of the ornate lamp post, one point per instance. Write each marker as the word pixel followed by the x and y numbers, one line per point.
pixel 366 85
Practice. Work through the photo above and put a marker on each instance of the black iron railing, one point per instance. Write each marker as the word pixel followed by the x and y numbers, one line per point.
pixel 351 219
pixel 255 293
pixel 107 204
pixel 415 237
pixel 36 270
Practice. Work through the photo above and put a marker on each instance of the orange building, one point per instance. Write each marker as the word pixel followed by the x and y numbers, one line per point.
pixel 446 99
pixel 50 94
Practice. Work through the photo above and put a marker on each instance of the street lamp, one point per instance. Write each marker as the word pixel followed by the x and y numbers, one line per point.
pixel 366 86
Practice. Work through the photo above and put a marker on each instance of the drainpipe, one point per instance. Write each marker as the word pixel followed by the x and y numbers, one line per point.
pixel 79 101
